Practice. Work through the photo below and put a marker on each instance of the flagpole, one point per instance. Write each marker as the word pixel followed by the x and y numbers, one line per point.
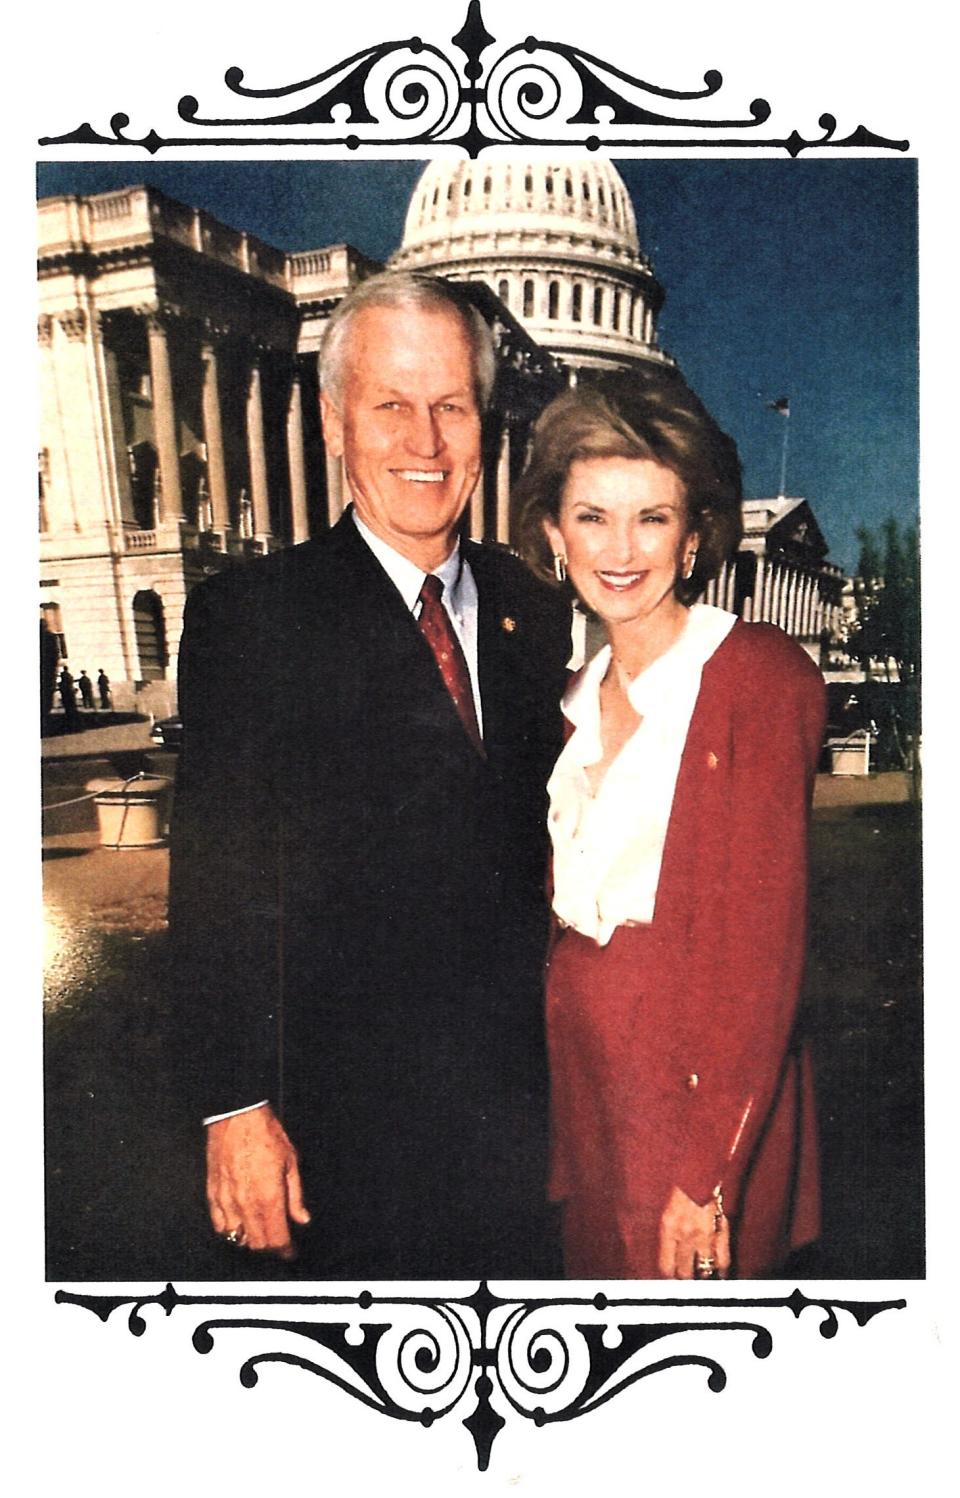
pixel 783 457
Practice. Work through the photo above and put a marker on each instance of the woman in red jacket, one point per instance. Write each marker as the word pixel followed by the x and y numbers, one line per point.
pixel 683 1132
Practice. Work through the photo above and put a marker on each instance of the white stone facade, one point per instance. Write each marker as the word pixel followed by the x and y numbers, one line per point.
pixel 179 422
pixel 171 431
pixel 781 574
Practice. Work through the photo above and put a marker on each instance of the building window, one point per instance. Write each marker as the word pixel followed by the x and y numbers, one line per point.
pixel 600 197
pixel 528 298
pixel 528 182
pixel 144 477
pixel 150 635
pixel 550 184
pixel 568 187
pixel 553 299
pixel 577 304
pixel 487 186
pixel 598 305
pixel 468 187
pixel 51 616
pixel 586 190
pixel 503 292
pixel 616 309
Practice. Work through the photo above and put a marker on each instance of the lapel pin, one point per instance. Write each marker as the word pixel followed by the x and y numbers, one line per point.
pixel 508 624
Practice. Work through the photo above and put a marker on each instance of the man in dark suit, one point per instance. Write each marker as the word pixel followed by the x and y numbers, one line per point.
pixel 357 868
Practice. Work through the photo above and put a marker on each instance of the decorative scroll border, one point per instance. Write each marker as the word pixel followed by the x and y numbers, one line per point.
pixel 409 93
pixel 543 1359
pixel 426 1358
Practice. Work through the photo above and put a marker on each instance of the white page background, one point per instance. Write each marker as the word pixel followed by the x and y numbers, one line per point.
pixel 99 1411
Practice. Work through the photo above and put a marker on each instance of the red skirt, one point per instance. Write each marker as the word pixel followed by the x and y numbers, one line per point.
pixel 613 1165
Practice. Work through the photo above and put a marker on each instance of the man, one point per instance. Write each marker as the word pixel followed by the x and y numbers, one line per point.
pixel 358 861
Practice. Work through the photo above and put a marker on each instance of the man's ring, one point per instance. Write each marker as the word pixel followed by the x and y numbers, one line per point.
pixel 235 1236
pixel 705 1269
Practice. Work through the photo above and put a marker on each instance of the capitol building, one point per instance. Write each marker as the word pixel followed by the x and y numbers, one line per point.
pixel 179 425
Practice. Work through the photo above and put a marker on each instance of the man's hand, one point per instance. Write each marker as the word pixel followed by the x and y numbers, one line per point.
pixel 253 1182
pixel 687 1230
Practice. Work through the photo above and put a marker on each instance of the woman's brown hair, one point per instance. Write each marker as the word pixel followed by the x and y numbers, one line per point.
pixel 643 413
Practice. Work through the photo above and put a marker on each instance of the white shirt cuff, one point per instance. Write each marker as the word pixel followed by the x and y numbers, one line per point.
pixel 216 1117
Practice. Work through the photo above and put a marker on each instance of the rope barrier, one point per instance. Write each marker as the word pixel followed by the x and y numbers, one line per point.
pixel 92 795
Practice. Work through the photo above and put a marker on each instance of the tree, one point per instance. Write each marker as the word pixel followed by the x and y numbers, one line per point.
pixel 886 634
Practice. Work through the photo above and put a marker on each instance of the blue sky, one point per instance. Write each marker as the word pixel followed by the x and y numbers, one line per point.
pixel 783 278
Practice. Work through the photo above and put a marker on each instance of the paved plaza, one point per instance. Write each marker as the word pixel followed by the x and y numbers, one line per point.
pixel 124 1162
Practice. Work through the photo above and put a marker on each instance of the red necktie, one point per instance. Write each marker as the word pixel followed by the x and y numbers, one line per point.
pixel 436 628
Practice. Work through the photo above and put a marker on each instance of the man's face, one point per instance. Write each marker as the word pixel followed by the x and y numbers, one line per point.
pixel 409 428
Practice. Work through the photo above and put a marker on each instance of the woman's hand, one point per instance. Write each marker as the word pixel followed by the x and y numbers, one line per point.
pixel 689 1232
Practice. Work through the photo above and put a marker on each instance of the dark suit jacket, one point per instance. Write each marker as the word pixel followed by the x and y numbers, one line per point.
pixel 357 897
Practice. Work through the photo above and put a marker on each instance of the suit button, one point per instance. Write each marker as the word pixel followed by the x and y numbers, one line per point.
pixel 693 1082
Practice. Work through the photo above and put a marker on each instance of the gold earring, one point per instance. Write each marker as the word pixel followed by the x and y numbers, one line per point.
pixel 559 567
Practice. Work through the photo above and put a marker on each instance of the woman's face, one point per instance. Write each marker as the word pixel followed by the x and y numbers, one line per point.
pixel 622 527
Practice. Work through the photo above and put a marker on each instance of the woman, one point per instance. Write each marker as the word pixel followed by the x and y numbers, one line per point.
pixel 683 1131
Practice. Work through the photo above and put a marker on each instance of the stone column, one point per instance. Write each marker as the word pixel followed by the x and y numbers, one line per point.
pixel 756 602
pixel 164 421
pixel 259 496
pixel 730 591
pixel 767 589
pixel 786 597
pixel 118 457
pixel 801 607
pixel 213 440
pixel 776 588
pixel 816 608
pixel 806 629
pixel 503 488
pixel 298 472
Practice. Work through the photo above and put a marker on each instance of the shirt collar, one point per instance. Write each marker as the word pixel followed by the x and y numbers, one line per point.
pixel 405 575
pixel 650 692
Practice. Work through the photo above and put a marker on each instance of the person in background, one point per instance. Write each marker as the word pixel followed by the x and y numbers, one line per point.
pixel 682 1109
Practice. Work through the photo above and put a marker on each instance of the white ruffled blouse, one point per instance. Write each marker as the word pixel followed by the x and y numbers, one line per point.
pixel 608 847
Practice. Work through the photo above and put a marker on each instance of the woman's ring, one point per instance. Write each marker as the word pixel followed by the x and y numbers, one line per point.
pixel 705 1269
pixel 234 1236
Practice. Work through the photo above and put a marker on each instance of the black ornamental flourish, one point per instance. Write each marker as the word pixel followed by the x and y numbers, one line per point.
pixel 421 1358
pixel 542 1359
pixel 410 94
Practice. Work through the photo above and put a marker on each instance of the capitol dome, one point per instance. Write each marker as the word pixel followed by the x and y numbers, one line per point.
pixel 556 240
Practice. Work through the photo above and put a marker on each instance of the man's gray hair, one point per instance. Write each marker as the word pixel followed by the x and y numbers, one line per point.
pixel 405 289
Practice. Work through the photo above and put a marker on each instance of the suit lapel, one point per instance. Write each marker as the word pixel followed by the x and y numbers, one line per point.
pixel 395 657
pixel 499 646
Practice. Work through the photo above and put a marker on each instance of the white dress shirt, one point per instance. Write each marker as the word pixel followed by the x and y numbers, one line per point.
pixel 608 846
pixel 461 602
